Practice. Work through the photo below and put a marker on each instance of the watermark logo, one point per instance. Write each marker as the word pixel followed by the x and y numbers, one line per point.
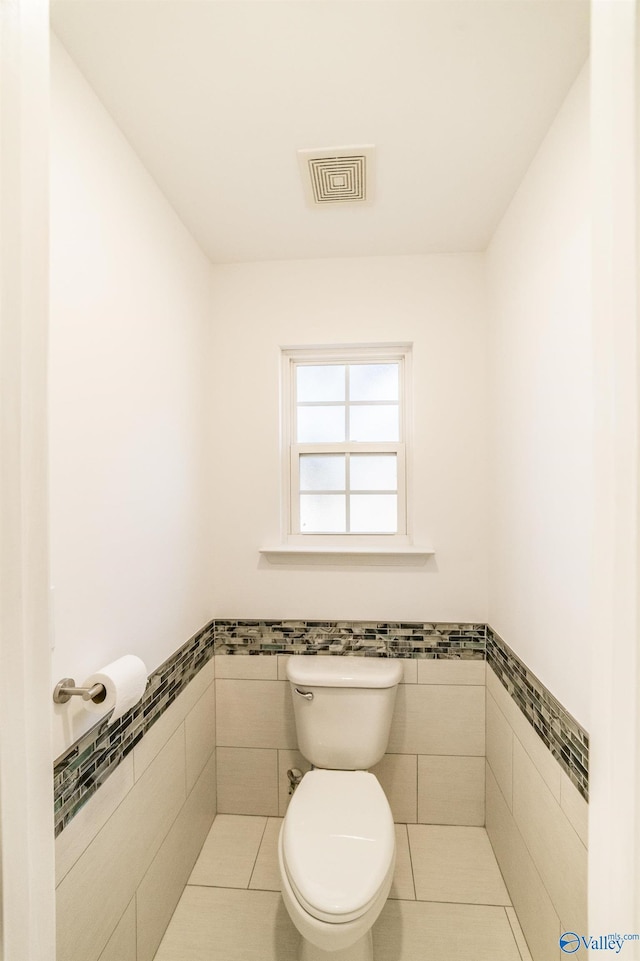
pixel 570 942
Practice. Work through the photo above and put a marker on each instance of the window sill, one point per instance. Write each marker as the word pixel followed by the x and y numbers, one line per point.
pixel 294 553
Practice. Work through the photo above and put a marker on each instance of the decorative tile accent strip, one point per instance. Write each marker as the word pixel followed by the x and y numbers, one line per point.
pixel 368 638
pixel 79 772
pixel 84 767
pixel 561 733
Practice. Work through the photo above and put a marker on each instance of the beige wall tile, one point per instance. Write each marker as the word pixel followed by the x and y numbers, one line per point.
pixel 282 666
pixel 254 714
pixel 198 685
pixel 518 934
pixel 455 864
pixel 402 886
pixel 540 922
pixel 160 732
pixel 229 852
pixel 247 781
pixel 500 748
pixel 248 667
pixel 575 807
pixel 451 790
pixel 557 851
pixel 398 775
pixel 501 696
pixel 95 893
pixel 287 760
pixel 200 734
pixel 161 888
pixel 450 671
pixel 497 690
pixel 121 946
pixel 410 670
pixel 148 748
pixel 542 758
pixel 438 719
pixel 80 832
pixel 533 745
pixel 266 871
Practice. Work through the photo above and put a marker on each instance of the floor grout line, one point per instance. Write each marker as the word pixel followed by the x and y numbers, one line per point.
pixel 473 904
pixel 255 860
pixel 520 944
pixel 413 877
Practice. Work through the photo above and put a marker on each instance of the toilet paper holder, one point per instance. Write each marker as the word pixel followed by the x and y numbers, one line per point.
pixel 66 688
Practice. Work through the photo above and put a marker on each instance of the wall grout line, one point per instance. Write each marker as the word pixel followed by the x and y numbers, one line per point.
pixel 523 957
pixel 526 847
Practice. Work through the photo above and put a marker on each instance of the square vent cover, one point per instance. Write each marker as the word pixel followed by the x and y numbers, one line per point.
pixel 337 175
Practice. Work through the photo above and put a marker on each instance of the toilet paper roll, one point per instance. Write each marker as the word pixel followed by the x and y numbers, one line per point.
pixel 124 682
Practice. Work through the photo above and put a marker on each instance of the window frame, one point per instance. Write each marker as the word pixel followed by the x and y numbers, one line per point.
pixel 399 353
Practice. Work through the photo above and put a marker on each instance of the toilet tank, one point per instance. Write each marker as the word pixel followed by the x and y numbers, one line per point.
pixel 343 708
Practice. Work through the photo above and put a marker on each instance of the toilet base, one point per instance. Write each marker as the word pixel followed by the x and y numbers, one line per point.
pixel 362 950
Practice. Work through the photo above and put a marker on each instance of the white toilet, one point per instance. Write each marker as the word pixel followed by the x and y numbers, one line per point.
pixel 336 849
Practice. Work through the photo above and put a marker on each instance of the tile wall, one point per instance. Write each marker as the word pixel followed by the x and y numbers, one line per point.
pixel 559 732
pixel 123 861
pixel 536 819
pixel 475 739
pixel 81 770
pixel 433 771
pixel 86 765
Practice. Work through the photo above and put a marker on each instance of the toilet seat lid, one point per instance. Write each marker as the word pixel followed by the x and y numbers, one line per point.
pixel 338 843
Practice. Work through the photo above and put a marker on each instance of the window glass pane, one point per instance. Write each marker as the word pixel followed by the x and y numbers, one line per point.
pixel 374 423
pixel 320 425
pixel 324 382
pixel 374 513
pixel 373 381
pixel 322 472
pixel 323 513
pixel 373 472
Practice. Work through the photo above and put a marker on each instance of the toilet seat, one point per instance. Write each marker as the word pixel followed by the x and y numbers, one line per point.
pixel 338 843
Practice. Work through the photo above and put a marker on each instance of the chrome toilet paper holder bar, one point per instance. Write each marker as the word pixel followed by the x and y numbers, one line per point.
pixel 66 689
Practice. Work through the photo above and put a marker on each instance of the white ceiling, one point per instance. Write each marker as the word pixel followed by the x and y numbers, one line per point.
pixel 216 97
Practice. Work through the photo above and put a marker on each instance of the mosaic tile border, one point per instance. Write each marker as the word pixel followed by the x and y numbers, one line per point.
pixel 82 769
pixel 556 728
pixel 368 638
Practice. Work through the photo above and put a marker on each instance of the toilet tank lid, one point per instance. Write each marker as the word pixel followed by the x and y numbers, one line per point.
pixel 344 671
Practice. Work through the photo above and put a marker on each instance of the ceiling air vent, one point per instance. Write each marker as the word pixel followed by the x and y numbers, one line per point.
pixel 337 175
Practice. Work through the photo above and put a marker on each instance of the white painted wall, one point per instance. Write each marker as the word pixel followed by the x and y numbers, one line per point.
pixel 130 309
pixel 541 410
pixel 438 303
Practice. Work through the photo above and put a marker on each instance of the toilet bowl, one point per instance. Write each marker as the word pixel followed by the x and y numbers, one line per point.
pixel 336 853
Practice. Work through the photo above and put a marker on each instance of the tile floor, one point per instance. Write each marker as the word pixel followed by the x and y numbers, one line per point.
pixel 448 901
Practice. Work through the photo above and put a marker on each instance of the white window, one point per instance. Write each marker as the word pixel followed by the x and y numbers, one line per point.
pixel 345 431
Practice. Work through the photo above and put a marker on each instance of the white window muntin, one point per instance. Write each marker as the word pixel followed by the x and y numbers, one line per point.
pixel 349 450
pixel 346 402
pixel 344 356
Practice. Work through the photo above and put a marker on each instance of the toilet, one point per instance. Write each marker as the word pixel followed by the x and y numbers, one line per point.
pixel 336 849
